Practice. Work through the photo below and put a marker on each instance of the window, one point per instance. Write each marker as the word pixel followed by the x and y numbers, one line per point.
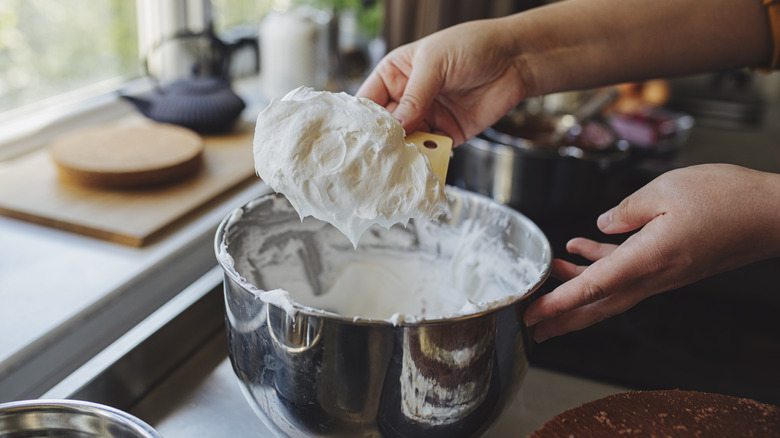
pixel 59 58
pixel 50 47
pixel 229 14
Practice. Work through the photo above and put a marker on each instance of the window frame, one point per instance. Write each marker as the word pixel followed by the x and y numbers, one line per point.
pixel 28 128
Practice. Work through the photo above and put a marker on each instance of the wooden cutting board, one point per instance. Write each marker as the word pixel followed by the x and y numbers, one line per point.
pixel 32 190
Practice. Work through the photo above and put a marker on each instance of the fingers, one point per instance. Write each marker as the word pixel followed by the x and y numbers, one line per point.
pixel 424 84
pixel 407 89
pixel 374 88
pixel 675 246
pixel 589 249
pixel 565 271
pixel 632 213
pixel 584 316
pixel 624 270
pixel 578 291
pixel 391 106
pixel 612 270
pixel 586 297
pixel 386 83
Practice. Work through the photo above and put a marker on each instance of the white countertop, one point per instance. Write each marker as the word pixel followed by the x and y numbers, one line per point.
pixel 66 296
pixel 215 407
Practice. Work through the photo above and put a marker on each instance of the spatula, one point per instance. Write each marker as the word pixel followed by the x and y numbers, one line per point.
pixel 438 149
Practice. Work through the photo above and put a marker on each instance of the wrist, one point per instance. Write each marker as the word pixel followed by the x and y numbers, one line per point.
pixel 771 212
pixel 555 51
pixel 512 32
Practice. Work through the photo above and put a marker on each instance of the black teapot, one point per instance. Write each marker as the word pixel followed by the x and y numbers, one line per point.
pixel 204 101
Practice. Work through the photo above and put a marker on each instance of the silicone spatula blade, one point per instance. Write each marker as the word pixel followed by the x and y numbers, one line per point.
pixel 438 148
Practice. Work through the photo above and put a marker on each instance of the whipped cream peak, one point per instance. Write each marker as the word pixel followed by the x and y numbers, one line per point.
pixel 343 160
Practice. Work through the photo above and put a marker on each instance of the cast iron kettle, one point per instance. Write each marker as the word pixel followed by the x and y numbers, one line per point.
pixel 203 102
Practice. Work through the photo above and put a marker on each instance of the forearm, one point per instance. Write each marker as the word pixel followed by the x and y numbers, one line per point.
pixel 576 44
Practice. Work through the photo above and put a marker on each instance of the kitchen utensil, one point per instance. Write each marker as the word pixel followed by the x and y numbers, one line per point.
pixel 438 149
pixel 309 373
pixel 69 418
pixel 128 156
pixel 517 164
pixel 205 105
pixel 203 99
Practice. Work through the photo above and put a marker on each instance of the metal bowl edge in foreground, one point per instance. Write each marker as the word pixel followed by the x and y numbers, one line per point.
pixel 69 418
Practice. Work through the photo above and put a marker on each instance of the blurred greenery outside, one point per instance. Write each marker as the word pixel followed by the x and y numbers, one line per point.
pixel 229 13
pixel 52 47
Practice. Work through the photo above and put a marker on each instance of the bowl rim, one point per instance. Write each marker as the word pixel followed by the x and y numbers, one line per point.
pixel 491 140
pixel 318 313
pixel 80 407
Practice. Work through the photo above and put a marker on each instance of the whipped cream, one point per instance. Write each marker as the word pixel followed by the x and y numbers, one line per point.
pixel 428 270
pixel 343 160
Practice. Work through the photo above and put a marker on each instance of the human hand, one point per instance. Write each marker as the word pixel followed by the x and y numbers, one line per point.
pixel 462 79
pixel 457 81
pixel 695 222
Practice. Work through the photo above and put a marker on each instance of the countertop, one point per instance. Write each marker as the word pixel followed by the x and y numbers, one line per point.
pixel 65 296
pixel 215 407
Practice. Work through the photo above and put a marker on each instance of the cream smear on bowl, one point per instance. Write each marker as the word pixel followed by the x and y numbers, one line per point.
pixel 343 160
pixel 427 270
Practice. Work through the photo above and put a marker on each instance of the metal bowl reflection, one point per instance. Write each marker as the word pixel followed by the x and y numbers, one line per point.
pixel 313 374
pixel 69 418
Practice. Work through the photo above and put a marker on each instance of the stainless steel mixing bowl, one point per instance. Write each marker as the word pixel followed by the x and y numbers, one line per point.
pixel 69 418
pixel 314 374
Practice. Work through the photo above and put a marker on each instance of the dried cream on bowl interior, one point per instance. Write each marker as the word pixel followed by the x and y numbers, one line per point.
pixel 343 160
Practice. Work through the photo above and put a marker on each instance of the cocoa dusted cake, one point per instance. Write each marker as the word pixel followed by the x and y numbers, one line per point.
pixel 668 413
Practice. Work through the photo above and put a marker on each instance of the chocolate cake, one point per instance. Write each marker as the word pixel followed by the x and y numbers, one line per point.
pixel 669 413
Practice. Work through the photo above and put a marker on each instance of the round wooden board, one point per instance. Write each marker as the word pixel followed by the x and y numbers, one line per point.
pixel 128 156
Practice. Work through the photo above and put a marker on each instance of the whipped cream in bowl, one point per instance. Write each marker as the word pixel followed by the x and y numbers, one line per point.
pixel 479 257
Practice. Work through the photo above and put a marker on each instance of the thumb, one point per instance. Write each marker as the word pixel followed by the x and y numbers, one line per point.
pixel 632 213
pixel 421 89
